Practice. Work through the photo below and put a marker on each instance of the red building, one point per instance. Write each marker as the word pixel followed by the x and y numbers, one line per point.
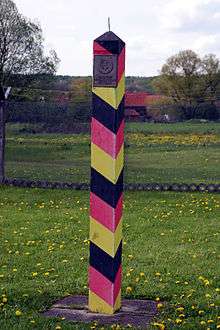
pixel 136 104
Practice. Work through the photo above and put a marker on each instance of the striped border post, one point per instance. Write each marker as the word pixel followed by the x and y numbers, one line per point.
pixel 107 162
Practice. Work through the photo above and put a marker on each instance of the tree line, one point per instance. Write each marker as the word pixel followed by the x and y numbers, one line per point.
pixel 190 84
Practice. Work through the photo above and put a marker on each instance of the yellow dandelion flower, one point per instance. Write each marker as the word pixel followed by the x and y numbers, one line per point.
pixel 18 312
pixel 161 326
pixel 160 305
pixel 178 321
pixel 128 289
pixel 206 282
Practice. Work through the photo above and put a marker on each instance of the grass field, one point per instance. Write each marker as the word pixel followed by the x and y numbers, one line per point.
pixel 170 254
pixel 182 152
pixel 182 127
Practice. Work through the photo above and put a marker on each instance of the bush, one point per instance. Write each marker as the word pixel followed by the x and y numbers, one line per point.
pixel 207 111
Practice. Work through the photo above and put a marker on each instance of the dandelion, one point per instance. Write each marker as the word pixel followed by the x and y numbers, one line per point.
pixel 206 282
pixel 18 312
pixel 161 326
pixel 160 305
pixel 178 321
pixel 128 289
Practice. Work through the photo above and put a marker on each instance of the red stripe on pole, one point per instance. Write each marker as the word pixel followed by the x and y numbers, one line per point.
pixel 104 213
pixel 120 137
pixel 121 64
pixel 99 50
pixel 104 288
pixel 105 139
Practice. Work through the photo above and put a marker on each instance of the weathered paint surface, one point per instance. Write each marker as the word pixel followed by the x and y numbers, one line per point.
pixel 107 162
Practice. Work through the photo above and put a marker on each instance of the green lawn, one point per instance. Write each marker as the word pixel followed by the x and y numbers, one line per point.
pixel 170 253
pixel 182 127
pixel 184 154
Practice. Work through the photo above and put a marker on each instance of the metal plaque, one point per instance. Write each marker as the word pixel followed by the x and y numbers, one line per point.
pixel 105 71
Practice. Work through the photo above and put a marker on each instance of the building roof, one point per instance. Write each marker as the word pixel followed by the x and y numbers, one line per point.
pixel 151 98
pixel 139 99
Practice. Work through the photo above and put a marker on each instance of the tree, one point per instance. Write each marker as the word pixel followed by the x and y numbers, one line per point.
pixel 21 52
pixel 21 45
pixel 189 80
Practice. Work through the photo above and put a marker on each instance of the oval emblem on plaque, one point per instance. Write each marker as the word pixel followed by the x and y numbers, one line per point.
pixel 106 66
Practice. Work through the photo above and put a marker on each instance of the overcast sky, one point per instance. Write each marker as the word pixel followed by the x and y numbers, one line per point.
pixel 152 29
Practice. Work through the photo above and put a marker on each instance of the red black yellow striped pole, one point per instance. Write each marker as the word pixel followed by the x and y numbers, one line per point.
pixel 107 162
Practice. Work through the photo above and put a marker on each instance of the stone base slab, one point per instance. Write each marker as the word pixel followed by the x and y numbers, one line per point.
pixel 135 313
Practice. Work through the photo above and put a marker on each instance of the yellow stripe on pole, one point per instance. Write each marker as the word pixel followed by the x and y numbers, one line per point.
pixel 105 238
pixel 98 305
pixel 112 96
pixel 106 165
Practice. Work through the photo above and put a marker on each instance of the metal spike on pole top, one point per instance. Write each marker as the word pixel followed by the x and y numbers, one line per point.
pixel 109 24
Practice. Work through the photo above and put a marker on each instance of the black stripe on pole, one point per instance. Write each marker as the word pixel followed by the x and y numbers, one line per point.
pixel 104 263
pixel 105 189
pixel 107 115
